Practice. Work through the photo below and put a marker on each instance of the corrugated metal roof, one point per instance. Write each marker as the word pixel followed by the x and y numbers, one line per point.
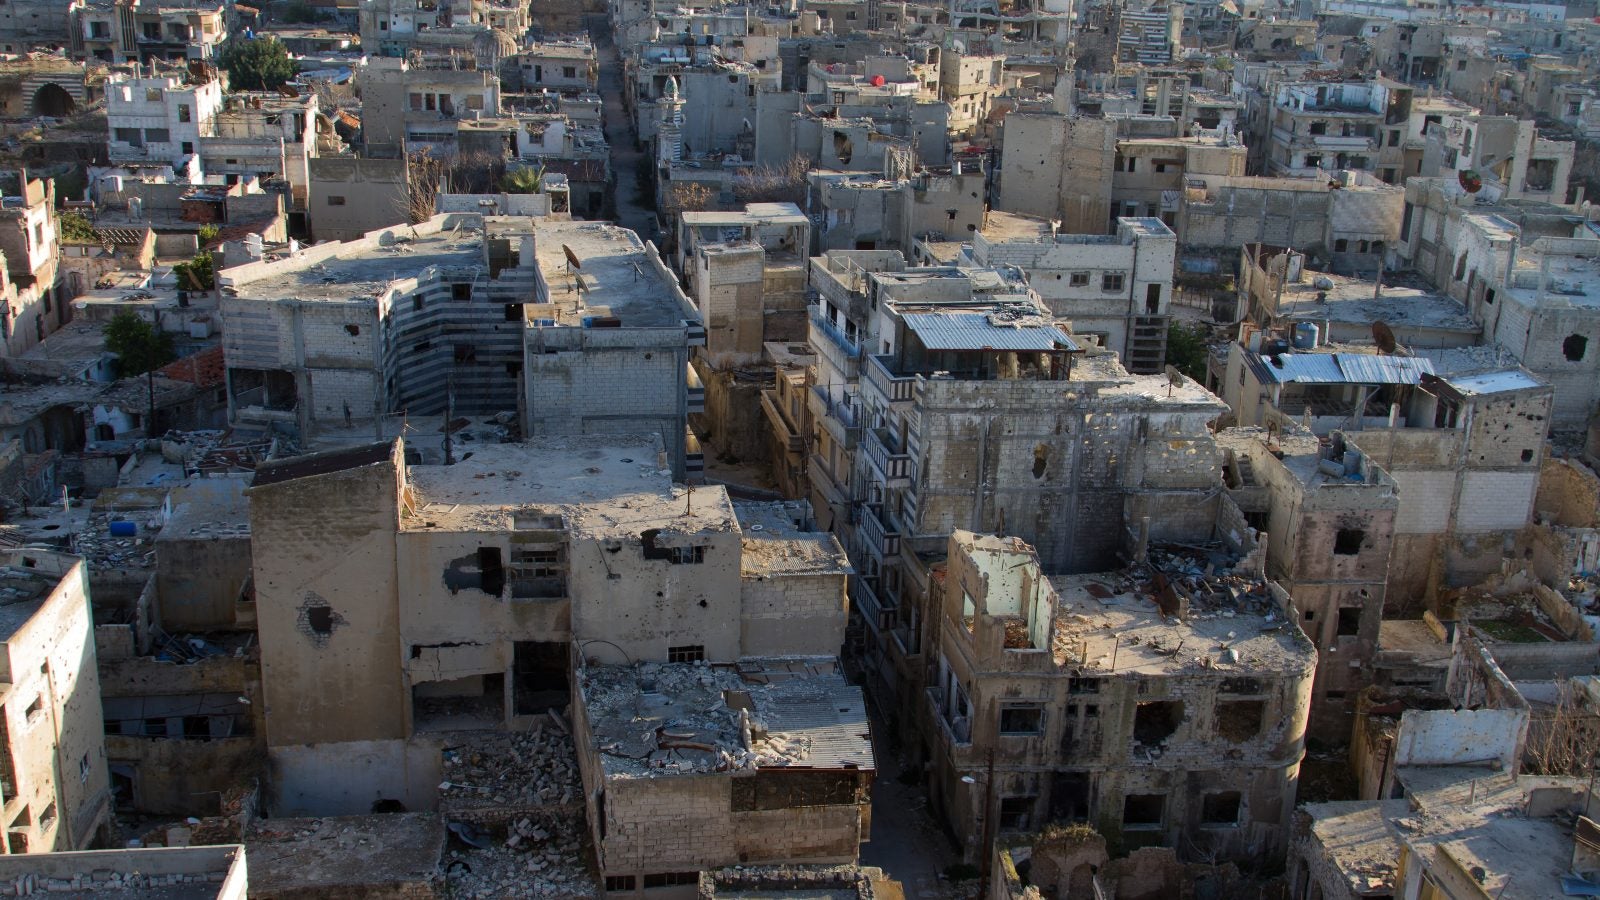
pixel 1372 368
pixel 975 331
pixel 1338 368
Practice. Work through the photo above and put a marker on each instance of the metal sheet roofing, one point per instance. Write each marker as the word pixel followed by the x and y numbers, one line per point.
pixel 979 331
pixel 1338 368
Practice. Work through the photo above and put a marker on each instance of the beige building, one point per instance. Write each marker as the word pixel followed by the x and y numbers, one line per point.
pixel 418 604
pixel 1103 698
pixel 57 795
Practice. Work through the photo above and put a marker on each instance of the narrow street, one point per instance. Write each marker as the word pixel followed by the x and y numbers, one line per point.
pixel 619 135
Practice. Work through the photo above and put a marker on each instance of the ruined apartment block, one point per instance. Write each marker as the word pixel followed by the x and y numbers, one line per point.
pixel 1328 516
pixel 341 333
pixel 1164 704
pixel 771 759
pixel 56 792
pixel 448 598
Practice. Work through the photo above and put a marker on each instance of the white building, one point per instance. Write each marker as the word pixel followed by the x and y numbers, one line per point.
pixel 159 119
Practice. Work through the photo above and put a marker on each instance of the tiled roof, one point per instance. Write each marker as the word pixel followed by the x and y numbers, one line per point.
pixel 203 369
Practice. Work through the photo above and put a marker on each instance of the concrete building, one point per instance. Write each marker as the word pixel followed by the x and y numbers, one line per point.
pixel 117 31
pixel 268 136
pixel 746 275
pixel 607 341
pixel 1114 288
pixel 406 108
pixel 52 751
pixel 1501 157
pixel 565 65
pixel 767 778
pixel 544 563
pixel 1349 219
pixel 350 196
pixel 160 118
pixel 1070 697
pixel 32 306
pixel 335 333
pixel 895 211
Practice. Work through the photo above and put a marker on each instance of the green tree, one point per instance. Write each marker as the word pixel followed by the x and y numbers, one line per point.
pixel 262 64
pixel 209 233
pixel 523 181
pixel 138 345
pixel 1186 349
pixel 74 227
pixel 198 274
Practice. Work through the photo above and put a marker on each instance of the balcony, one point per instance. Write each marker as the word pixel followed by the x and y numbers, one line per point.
pixel 888 457
pixel 879 611
pixel 839 414
pixel 894 388
pixel 791 440
pixel 842 353
pixel 879 539
pixel 957 730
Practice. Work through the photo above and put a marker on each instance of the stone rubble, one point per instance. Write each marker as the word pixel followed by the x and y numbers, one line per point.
pixel 537 767
pixel 533 860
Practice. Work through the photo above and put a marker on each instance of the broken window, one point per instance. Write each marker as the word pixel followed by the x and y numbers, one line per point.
pixel 1143 810
pixel 687 653
pixel 1221 808
pixel 538 573
pixel 492 568
pixel 539 677
pixel 34 708
pixel 619 883
pixel 461 291
pixel 1156 720
pixel 1021 720
pixel 1239 720
pixel 1347 541
pixel 1083 685
pixel 1016 812
pixel 466 353
pixel 1574 347
pixel 778 788
pixel 1349 621
pixel 1069 797
pixel 671 879
pixel 675 555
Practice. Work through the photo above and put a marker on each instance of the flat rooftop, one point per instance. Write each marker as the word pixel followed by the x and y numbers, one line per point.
pixel 999 227
pixel 149 873
pixel 1358 840
pixel 22 592
pixel 1568 280
pixel 663 719
pixel 1113 622
pixel 599 485
pixel 1482 825
pixel 616 276
pixel 774 544
pixel 752 214
pixel 361 270
pixel 1350 300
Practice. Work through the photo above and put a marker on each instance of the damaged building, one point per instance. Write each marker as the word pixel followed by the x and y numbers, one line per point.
pixel 447 598
pixel 1163 704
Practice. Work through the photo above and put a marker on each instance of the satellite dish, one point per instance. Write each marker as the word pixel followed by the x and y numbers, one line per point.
pixel 1383 336
pixel 572 258
pixel 1174 379
pixel 288 91
pixel 1470 180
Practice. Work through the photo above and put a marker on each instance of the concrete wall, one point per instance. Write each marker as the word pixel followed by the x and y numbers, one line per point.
pixel 351 196
pixel 326 606
pixel 346 778
pixel 52 715
pixel 1059 168
pixel 802 614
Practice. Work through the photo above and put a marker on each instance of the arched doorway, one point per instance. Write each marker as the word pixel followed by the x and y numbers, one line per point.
pixel 53 100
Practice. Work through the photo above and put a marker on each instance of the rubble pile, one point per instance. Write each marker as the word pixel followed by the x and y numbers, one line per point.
pixel 670 718
pixel 537 767
pixel 835 881
pixel 540 856
pixel 1206 582
pixel 104 550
